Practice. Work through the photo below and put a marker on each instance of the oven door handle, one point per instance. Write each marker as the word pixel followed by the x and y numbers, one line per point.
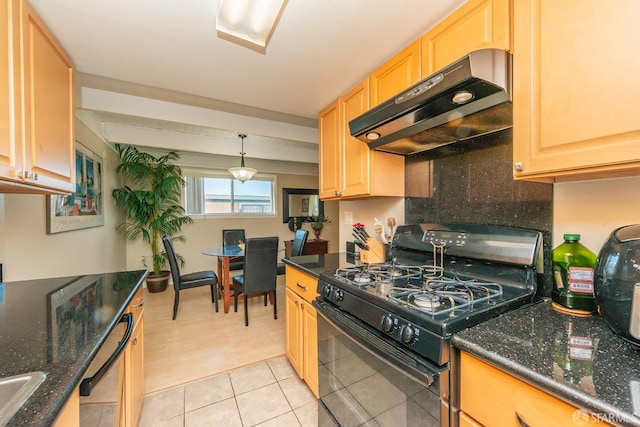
pixel 407 362
pixel 88 384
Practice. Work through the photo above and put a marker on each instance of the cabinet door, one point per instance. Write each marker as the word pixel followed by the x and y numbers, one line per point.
pixel 69 416
pixel 293 331
pixel 48 106
pixel 134 375
pixel 575 90
pixel 511 402
pixel 357 155
pixel 477 24
pixel 310 346
pixel 397 74
pixel 467 421
pixel 10 116
pixel 330 160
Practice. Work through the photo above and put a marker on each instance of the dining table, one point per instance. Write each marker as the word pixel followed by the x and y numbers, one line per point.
pixel 224 253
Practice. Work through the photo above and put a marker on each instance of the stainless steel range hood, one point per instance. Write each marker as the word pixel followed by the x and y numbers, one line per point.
pixel 465 100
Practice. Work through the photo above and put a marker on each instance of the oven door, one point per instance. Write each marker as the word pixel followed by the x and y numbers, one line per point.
pixel 367 379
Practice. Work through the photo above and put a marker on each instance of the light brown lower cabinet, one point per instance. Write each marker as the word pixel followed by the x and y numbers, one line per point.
pixel 491 397
pixel 301 326
pixel 70 414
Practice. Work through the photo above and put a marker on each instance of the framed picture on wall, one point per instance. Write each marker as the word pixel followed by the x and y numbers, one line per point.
pixel 83 208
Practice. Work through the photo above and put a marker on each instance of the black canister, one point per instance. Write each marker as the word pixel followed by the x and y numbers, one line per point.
pixel 617 282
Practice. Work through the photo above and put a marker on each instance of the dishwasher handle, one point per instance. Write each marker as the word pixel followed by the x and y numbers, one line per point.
pixel 88 383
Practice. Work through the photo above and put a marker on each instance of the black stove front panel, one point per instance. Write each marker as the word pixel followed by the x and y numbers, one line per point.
pixel 413 335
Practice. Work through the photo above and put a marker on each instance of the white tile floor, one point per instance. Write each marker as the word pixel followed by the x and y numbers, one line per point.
pixel 263 394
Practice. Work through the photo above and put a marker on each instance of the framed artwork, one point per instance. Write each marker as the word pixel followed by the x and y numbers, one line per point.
pixel 73 315
pixel 83 208
pixel 305 205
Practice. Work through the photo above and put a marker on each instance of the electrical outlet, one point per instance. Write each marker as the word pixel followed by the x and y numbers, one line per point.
pixel 348 218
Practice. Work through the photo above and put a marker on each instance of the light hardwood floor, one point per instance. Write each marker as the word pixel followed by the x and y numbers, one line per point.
pixel 201 343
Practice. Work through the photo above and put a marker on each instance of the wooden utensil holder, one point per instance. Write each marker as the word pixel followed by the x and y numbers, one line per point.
pixel 375 253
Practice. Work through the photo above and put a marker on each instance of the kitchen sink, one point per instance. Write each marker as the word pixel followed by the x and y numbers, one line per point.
pixel 14 392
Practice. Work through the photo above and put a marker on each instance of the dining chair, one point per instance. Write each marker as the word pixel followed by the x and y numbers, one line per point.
pixel 259 275
pixel 232 237
pixel 189 280
pixel 297 247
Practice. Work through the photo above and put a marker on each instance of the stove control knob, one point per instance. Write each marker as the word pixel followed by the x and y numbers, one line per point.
pixel 338 295
pixel 326 291
pixel 386 323
pixel 406 334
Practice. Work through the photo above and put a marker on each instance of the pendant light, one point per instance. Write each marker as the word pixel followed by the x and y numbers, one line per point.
pixel 242 173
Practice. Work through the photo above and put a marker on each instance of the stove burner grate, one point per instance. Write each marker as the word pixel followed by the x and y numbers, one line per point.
pixel 363 276
pixel 445 295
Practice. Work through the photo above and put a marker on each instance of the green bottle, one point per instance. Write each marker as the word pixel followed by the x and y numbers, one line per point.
pixel 573 266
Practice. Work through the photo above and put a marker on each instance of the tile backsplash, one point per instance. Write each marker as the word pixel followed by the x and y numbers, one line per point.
pixel 478 187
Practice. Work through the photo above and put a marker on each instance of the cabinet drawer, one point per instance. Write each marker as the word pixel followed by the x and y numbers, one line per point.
pixel 301 283
pixel 495 398
pixel 136 306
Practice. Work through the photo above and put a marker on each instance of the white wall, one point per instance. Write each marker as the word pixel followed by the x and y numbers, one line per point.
pixel 365 212
pixel 28 252
pixel 594 209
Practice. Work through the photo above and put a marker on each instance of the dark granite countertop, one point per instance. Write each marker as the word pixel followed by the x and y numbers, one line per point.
pixel 578 359
pixel 57 326
pixel 325 263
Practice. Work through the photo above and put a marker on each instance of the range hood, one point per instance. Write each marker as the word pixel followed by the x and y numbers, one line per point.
pixel 460 103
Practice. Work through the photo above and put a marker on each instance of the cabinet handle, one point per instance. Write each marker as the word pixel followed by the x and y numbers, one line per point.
pixel 521 421
pixel 135 341
pixel 139 304
pixel 297 303
pixel 518 166
pixel 26 175
pixel 304 288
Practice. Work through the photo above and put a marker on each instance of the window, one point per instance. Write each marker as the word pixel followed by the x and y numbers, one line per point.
pixel 217 194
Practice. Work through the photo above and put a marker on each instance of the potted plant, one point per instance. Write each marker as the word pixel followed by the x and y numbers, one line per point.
pixel 151 204
pixel 317 224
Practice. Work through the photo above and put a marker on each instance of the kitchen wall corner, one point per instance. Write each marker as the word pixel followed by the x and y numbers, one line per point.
pixel 595 208
pixel 364 211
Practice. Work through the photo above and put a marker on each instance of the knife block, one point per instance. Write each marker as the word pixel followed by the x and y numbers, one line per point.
pixel 375 253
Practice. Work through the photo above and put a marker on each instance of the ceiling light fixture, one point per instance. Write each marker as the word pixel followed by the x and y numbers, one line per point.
pixel 249 23
pixel 242 173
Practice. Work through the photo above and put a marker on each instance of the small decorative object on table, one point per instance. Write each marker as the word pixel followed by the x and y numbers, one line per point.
pixel 317 224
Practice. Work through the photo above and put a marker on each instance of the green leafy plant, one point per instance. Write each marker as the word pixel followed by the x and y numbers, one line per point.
pixel 151 200
pixel 318 222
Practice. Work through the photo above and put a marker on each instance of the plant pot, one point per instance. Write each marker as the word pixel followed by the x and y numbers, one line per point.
pixel 158 283
pixel 317 232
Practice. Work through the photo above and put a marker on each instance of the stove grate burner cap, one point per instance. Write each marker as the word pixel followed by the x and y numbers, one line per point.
pixel 362 278
pixel 427 301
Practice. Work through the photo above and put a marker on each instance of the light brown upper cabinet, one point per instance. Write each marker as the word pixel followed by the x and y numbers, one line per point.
pixel 477 24
pixel 396 75
pixel 10 129
pixel 348 168
pixel 330 151
pixel 576 89
pixel 37 124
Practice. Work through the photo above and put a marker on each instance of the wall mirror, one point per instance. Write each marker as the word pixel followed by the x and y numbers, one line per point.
pixel 299 205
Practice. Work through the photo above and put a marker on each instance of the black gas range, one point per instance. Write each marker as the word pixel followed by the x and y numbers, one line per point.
pixel 439 280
